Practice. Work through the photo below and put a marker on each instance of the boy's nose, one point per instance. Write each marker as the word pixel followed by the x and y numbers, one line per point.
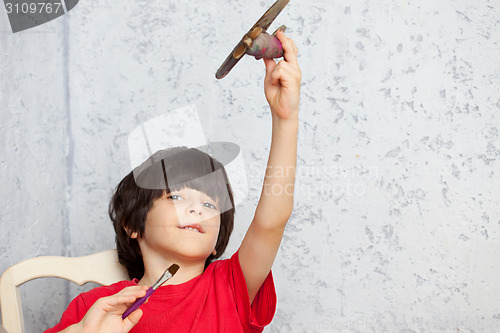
pixel 192 211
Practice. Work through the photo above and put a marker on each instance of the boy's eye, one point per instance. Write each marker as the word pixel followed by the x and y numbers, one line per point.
pixel 209 205
pixel 174 197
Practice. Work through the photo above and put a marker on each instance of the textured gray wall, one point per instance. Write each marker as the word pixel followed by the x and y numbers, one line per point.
pixel 396 221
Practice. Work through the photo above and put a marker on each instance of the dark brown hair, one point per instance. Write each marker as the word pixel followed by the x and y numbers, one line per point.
pixel 165 171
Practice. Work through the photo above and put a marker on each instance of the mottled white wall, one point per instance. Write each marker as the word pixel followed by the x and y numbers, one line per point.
pixel 396 221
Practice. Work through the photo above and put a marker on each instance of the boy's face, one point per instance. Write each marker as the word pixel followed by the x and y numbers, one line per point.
pixel 182 225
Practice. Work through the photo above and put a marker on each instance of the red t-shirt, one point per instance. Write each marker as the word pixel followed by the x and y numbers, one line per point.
pixel 216 301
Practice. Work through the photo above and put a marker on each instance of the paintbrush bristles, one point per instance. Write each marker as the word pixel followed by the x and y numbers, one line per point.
pixel 169 272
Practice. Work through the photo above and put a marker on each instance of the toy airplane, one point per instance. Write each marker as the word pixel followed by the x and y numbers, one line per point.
pixel 257 41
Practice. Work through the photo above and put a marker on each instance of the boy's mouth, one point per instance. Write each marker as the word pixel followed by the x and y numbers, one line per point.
pixel 193 227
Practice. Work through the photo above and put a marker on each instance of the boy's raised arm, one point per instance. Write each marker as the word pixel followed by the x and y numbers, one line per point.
pixel 260 245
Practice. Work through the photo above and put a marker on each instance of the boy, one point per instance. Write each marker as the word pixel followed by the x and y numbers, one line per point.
pixel 189 224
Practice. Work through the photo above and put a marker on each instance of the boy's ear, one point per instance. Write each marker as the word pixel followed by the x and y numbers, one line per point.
pixel 132 235
pixel 214 252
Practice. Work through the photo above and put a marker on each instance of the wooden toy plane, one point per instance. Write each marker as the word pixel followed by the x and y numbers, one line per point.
pixel 257 42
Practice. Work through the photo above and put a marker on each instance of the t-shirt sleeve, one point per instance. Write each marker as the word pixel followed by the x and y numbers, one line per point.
pixel 258 315
pixel 73 314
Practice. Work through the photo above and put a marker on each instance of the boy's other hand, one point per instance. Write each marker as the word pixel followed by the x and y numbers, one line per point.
pixel 282 81
pixel 106 313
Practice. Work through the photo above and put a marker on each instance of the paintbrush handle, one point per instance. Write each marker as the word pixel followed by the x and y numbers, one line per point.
pixel 138 302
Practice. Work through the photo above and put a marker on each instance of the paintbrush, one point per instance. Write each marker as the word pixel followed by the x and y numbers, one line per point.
pixel 169 272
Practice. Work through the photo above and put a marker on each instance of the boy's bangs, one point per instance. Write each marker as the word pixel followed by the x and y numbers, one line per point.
pixel 189 168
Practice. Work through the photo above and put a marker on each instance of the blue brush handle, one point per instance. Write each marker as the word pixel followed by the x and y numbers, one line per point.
pixel 138 302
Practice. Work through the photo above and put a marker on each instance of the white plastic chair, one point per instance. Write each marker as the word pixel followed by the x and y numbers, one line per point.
pixel 102 268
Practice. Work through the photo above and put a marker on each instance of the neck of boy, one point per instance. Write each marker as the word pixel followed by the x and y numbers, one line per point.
pixel 153 269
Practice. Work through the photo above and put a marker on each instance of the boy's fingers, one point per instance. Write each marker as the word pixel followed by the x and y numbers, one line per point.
pixel 132 319
pixel 278 72
pixel 286 73
pixel 133 294
pixel 111 303
pixel 290 50
pixel 126 296
pixel 270 65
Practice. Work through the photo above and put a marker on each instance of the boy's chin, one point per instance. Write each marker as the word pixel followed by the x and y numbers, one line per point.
pixel 195 255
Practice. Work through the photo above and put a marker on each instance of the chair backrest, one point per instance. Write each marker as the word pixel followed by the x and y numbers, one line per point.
pixel 102 268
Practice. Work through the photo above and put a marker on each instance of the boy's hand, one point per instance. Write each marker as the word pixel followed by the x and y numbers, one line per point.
pixel 282 81
pixel 106 313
